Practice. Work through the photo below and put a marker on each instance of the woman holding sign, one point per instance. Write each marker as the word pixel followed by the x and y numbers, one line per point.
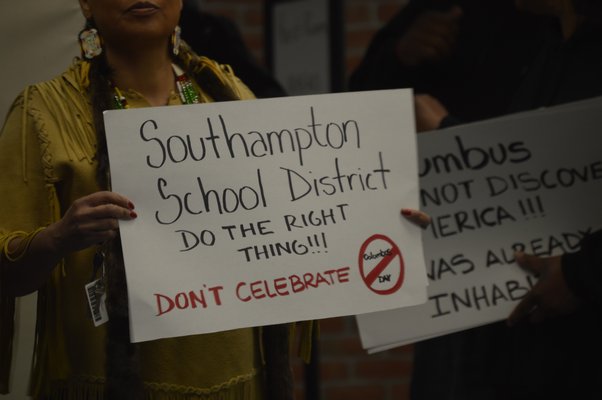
pixel 59 223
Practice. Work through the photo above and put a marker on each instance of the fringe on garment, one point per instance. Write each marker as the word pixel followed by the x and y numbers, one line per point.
pixel 7 300
pixel 77 134
pixel 7 326
pixel 82 147
pixel 240 388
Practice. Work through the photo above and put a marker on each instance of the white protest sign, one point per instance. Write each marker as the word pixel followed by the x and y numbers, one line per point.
pixel 267 211
pixel 529 182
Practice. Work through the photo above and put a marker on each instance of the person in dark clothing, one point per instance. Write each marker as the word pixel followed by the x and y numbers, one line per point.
pixel 458 51
pixel 567 69
pixel 557 357
pixel 218 38
pixel 564 67
pixel 538 357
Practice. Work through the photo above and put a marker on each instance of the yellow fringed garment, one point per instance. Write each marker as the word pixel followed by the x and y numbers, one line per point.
pixel 47 150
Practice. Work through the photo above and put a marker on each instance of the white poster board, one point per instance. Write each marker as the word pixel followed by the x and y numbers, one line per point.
pixel 267 211
pixel 529 182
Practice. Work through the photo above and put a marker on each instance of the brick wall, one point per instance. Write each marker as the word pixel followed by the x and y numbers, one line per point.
pixel 362 19
pixel 248 16
pixel 346 371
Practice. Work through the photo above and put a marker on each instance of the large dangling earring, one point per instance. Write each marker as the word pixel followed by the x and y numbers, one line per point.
pixel 176 40
pixel 89 41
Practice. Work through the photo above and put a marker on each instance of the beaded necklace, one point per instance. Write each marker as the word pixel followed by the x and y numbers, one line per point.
pixel 186 90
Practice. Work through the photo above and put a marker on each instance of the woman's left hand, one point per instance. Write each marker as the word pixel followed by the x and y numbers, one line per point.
pixel 416 217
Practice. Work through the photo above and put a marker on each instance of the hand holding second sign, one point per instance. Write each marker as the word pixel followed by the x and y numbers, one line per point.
pixel 550 297
pixel 91 220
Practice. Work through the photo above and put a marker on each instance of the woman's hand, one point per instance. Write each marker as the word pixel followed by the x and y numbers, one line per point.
pixel 90 220
pixel 550 297
pixel 416 217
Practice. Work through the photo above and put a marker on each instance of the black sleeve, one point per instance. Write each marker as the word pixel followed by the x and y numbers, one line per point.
pixel 479 78
pixel 583 270
pixel 450 121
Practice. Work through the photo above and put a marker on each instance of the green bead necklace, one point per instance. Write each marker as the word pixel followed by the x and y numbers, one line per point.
pixel 186 90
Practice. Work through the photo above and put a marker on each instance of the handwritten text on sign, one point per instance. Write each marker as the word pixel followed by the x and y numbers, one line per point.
pixel 260 212
pixel 529 183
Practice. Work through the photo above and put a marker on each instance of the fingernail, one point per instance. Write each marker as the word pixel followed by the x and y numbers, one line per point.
pixel 130 205
pixel 133 214
pixel 406 212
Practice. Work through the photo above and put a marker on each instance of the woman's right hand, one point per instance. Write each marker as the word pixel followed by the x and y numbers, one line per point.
pixel 90 220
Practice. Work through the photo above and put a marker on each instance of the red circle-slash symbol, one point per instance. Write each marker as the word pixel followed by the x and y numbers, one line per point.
pixel 381 265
